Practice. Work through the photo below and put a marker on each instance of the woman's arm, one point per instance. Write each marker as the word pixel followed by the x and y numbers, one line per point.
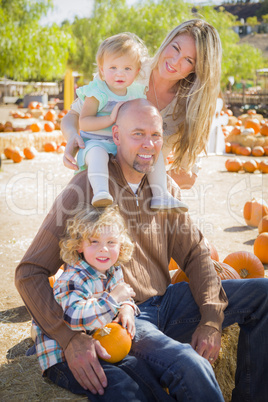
pixel 70 131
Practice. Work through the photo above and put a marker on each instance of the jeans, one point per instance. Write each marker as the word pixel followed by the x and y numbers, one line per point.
pixel 167 323
pixel 128 381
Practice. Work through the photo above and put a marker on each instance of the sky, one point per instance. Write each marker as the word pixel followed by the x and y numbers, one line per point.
pixel 68 9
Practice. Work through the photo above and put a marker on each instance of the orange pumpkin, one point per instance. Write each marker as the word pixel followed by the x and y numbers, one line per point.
pixel 251 112
pixel 228 147
pixel 250 166
pixel 225 271
pixel 52 279
pixel 253 123
pixel 261 247
pixel 264 129
pixel 33 105
pixel 236 130
pixel 179 276
pixel 49 127
pixel 257 151
pixel 116 341
pixel 50 115
pixel 233 165
pixel 36 127
pixel 234 146
pixel 50 146
pixel 246 264
pixel 263 166
pixel 30 152
pixel 265 148
pixel 254 210
pixel 245 151
pixel 8 152
pixel 17 155
pixel 263 225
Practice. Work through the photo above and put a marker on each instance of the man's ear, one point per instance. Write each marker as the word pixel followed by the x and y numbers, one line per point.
pixel 115 132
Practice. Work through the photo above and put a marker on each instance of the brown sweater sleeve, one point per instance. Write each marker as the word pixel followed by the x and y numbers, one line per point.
pixel 42 260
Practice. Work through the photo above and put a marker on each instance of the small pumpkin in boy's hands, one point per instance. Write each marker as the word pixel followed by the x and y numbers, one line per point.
pixel 116 341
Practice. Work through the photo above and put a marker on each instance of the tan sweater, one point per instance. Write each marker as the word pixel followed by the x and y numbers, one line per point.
pixel 158 236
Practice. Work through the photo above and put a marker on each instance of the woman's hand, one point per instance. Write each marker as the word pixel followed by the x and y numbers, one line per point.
pixel 73 145
pixel 126 317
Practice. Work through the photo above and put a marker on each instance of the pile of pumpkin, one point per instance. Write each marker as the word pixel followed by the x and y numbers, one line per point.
pixel 239 264
pixel 17 155
pixel 250 166
pixel 245 133
pixel 51 117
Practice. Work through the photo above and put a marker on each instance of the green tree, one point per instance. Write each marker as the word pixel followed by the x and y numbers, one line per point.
pixel 28 50
pixel 252 21
pixel 151 21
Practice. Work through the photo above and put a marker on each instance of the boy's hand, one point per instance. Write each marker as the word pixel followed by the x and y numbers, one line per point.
pixel 113 115
pixel 126 318
pixel 122 292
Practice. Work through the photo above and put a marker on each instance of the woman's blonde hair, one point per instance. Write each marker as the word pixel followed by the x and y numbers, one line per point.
pixel 122 44
pixel 197 93
pixel 91 222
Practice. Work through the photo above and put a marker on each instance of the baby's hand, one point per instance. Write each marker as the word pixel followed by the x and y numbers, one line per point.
pixel 122 292
pixel 113 115
pixel 126 318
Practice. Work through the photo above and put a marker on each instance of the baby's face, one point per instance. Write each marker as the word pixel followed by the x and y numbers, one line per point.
pixel 119 73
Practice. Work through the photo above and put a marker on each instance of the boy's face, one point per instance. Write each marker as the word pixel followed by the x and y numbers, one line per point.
pixel 119 73
pixel 102 251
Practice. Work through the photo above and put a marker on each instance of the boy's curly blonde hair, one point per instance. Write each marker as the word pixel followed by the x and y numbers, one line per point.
pixel 91 222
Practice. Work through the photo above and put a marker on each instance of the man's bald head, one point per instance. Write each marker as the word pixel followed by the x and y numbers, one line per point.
pixel 134 106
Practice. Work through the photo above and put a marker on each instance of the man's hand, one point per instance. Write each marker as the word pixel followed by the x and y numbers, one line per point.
pixel 72 146
pixel 82 357
pixel 207 342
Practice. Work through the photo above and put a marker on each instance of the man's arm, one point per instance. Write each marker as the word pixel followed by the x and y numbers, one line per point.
pixel 42 260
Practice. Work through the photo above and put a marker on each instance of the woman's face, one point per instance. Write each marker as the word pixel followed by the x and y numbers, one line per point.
pixel 178 59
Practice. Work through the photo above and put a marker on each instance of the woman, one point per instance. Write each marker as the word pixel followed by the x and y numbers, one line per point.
pixel 183 82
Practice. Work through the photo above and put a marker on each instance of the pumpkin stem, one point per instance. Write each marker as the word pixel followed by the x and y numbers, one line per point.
pixel 243 273
pixel 105 331
pixel 217 267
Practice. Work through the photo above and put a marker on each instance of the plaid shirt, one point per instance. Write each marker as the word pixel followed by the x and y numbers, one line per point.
pixel 84 296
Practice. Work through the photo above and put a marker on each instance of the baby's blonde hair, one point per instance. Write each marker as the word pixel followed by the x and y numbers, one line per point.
pixel 125 43
pixel 90 222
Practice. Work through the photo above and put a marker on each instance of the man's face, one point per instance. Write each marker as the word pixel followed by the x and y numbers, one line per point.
pixel 139 137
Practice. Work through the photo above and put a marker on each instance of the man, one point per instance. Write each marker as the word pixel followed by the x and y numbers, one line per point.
pixel 172 317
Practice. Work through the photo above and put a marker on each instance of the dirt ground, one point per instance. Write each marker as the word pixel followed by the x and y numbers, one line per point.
pixel 27 191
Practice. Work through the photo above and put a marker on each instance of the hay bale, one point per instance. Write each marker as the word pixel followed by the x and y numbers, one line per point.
pixel 248 140
pixel 24 139
pixel 225 365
